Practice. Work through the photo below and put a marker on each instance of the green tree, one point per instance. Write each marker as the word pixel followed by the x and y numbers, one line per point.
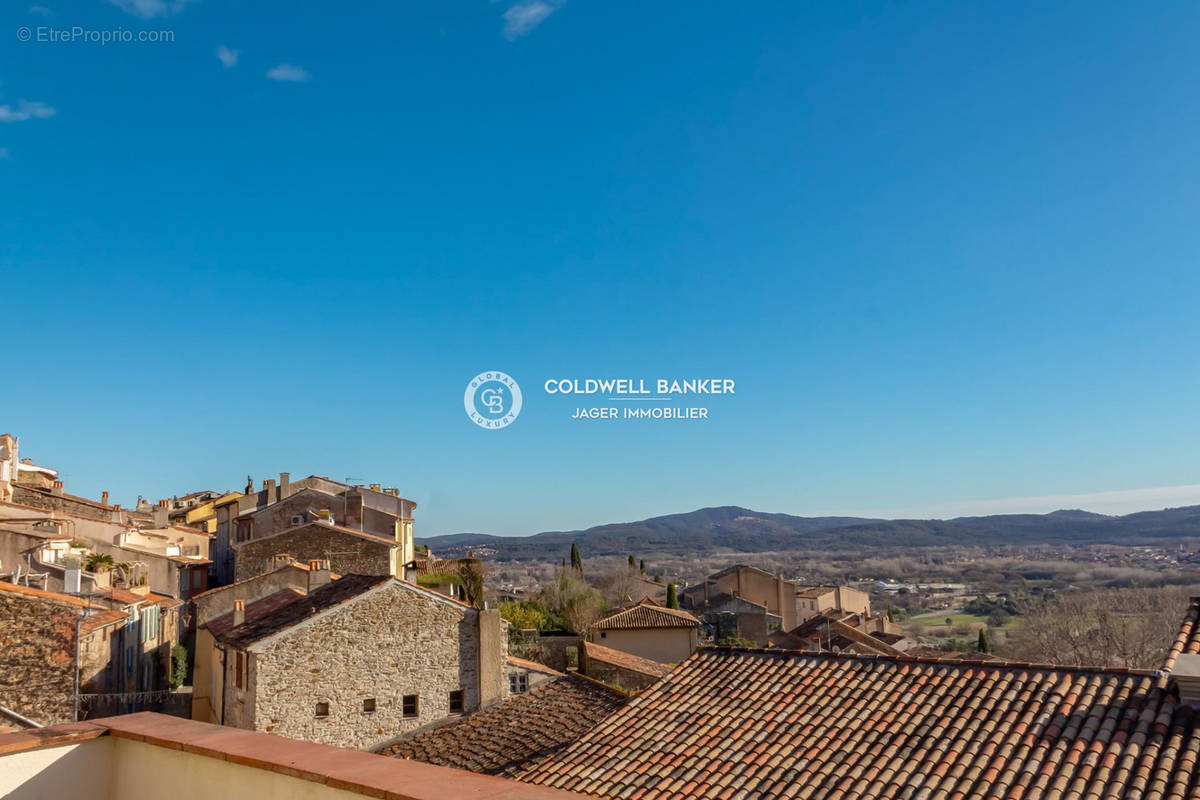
pixel 179 666
pixel 672 596
pixel 632 565
pixel 523 616
pixel 982 644
pixel 576 559
pixel 99 562
pixel 890 616
pixel 642 566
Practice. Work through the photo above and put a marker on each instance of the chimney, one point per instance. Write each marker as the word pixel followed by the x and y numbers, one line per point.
pixel 318 574
pixel 239 612
pixel 104 498
pixel 1187 678
pixel 285 485
pixel 56 489
pixel 269 488
pixel 492 672
pixel 162 503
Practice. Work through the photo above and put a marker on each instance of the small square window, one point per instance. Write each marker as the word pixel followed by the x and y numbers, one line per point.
pixel 369 705
pixel 322 709
pixel 518 683
pixel 409 705
pixel 457 705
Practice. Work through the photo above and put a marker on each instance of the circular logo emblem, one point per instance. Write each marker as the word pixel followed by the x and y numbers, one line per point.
pixel 492 400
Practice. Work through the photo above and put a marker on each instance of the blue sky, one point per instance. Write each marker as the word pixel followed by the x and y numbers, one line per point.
pixel 948 252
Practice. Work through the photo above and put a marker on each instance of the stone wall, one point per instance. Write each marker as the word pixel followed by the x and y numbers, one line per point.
pixel 68 504
pixel 220 601
pixel 37 657
pixel 392 641
pixel 552 651
pixel 347 554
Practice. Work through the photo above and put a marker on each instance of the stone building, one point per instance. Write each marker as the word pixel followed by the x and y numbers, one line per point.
pixel 753 604
pixel 216 611
pixel 65 657
pixel 248 526
pixel 360 660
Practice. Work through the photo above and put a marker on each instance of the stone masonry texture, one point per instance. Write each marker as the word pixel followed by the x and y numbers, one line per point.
pixel 391 642
pixel 37 658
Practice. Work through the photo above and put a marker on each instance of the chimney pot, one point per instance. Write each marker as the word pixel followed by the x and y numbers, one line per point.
pixel 318 574
pixel 239 612
pixel 104 498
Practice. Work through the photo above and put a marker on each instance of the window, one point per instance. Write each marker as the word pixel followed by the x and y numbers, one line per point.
pixel 368 705
pixel 457 706
pixel 518 683
pixel 150 623
pixel 409 705
pixel 239 665
pixel 322 709
pixel 603 634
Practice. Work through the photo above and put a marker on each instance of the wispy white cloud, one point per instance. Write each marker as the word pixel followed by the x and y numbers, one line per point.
pixel 288 72
pixel 228 57
pixel 1120 501
pixel 41 11
pixel 25 110
pixel 525 15
pixel 151 8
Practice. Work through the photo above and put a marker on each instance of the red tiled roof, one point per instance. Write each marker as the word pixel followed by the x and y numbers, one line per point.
pixel 301 608
pixel 824 632
pixel 1188 640
pixel 516 734
pixel 255 611
pixel 523 663
pixel 764 724
pixel 647 615
pixel 93 622
pixel 623 660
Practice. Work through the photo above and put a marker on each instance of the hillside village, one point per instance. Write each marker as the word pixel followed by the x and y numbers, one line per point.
pixel 292 632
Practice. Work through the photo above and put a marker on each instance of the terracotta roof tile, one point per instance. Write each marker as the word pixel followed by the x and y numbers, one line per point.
pixel 255 610
pixel 647 615
pixel 516 734
pixel 300 609
pixel 1188 640
pixel 93 622
pixel 619 658
pixel 770 724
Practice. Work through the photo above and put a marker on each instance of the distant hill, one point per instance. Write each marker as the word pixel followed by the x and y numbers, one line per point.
pixel 731 529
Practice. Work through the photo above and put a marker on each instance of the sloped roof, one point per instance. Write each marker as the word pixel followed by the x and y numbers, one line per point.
pixel 524 663
pixel 647 615
pixel 767 724
pixel 516 734
pixel 1188 640
pixel 255 610
pixel 300 609
pixel 826 632
pixel 623 660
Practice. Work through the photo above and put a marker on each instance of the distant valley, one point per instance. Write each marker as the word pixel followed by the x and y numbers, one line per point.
pixel 732 529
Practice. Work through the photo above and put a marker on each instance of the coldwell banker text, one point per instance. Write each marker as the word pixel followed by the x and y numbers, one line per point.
pixel 632 390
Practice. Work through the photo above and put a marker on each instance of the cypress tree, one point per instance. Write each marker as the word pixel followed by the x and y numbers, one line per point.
pixel 983 642
pixel 672 596
pixel 631 564
pixel 576 559
pixel 642 566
